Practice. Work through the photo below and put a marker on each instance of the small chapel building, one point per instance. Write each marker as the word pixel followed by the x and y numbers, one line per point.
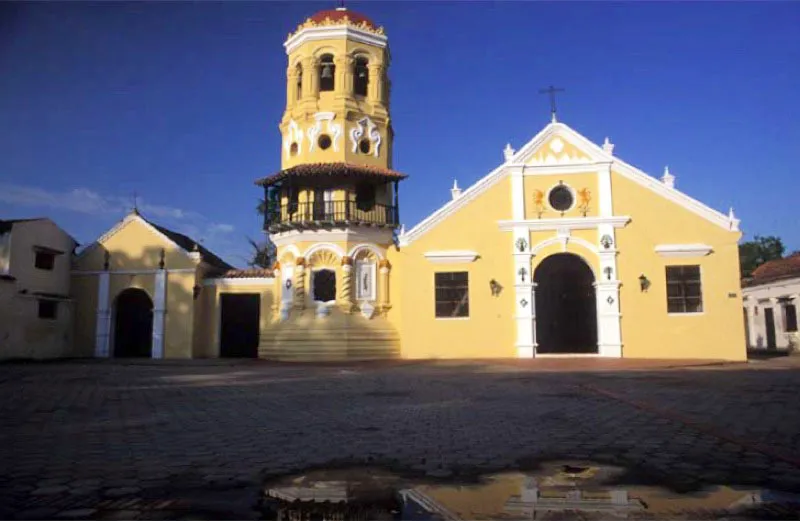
pixel 564 249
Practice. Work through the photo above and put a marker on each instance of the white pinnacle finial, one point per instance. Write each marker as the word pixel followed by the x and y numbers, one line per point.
pixel 668 179
pixel 402 230
pixel 455 191
pixel 553 118
pixel 733 222
pixel 508 152
pixel 608 146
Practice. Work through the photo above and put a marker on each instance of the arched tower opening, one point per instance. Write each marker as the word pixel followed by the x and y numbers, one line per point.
pixel 360 76
pixel 327 72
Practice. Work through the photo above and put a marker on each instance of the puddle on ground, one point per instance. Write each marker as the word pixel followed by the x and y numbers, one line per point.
pixel 564 490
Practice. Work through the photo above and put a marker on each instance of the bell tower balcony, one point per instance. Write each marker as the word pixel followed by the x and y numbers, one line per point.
pixel 331 195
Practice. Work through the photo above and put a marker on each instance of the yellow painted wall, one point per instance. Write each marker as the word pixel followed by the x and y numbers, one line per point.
pixel 490 330
pixel 179 318
pixel 543 184
pixel 83 290
pixel 647 330
pixel 25 237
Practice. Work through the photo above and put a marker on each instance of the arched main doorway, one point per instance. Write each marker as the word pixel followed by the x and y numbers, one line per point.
pixel 566 308
pixel 133 324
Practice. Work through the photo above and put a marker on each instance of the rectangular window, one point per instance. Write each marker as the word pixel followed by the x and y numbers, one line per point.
pixel 791 318
pixel 48 309
pixel 45 260
pixel 684 292
pixel 452 294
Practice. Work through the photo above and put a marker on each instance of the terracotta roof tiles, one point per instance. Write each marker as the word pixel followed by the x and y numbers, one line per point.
pixel 340 14
pixel 331 169
pixel 249 273
pixel 778 269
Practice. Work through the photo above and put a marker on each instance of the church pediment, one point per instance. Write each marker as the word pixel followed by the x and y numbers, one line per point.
pixel 559 145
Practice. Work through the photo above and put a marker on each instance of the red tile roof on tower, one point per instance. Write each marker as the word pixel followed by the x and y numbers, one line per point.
pixel 341 13
pixel 778 269
pixel 336 169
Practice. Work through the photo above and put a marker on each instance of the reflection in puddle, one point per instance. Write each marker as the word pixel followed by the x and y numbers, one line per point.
pixel 556 491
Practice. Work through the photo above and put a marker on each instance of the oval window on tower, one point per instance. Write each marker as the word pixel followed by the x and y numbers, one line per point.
pixel 324 141
pixel 560 198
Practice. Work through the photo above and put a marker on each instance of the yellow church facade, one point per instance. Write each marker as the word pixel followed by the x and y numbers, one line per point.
pixel 563 250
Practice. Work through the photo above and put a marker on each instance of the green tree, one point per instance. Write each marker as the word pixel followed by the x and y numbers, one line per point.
pixel 263 252
pixel 753 254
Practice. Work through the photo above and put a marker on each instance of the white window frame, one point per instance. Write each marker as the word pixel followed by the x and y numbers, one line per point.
pixel 371 269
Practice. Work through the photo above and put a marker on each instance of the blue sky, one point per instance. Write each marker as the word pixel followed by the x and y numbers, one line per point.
pixel 180 102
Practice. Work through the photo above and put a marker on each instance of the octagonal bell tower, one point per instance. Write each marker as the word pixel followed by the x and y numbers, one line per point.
pixel 337 92
pixel 333 207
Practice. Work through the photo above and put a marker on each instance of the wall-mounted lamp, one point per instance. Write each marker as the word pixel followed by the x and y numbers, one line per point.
pixel 521 244
pixel 644 283
pixel 608 270
pixel 495 287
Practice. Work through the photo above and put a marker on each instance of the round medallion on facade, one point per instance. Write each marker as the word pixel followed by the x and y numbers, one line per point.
pixel 561 198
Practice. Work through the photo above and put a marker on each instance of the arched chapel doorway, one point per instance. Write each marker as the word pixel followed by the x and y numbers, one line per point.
pixel 133 324
pixel 566 308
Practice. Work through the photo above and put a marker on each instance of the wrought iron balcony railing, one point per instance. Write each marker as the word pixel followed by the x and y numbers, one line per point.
pixel 321 213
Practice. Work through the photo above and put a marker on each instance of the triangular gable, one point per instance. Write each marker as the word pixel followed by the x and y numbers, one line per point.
pixel 130 218
pixel 574 149
pixel 558 144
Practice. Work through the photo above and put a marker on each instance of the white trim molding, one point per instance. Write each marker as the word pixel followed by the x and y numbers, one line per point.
pixel 159 310
pixel 103 325
pixel 355 250
pixel 241 281
pixel 569 223
pixel 451 256
pixel 683 250
pixel 334 32
pixel 367 235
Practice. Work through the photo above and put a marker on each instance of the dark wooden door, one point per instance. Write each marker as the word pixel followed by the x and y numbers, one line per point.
pixel 239 325
pixel 133 324
pixel 769 319
pixel 566 309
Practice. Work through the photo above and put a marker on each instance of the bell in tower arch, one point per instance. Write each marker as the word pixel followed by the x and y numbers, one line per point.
pixel 326 73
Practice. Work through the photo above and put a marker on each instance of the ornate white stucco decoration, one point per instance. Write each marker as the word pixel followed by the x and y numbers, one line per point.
pixel 608 146
pixel 557 145
pixel 367 310
pixel 455 192
pixel 333 129
pixel 366 128
pixel 556 153
pixel 293 135
pixel 668 179
pixel 508 152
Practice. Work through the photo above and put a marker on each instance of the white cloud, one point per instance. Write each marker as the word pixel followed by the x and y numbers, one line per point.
pixel 220 228
pixel 213 235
